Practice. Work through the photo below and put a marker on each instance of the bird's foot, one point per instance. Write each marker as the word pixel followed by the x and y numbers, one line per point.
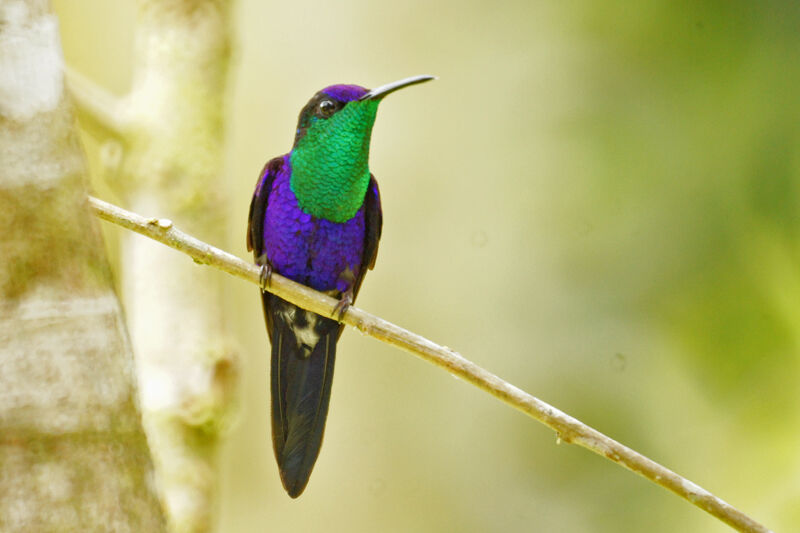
pixel 265 276
pixel 343 305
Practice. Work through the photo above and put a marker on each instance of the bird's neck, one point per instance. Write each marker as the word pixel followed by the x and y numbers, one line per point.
pixel 330 164
pixel 330 183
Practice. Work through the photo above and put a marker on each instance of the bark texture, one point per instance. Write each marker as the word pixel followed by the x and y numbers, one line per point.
pixel 172 164
pixel 73 454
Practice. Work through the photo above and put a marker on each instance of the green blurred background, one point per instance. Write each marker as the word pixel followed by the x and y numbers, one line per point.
pixel 597 200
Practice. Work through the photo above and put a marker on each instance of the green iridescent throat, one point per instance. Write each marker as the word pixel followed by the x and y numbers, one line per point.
pixel 330 163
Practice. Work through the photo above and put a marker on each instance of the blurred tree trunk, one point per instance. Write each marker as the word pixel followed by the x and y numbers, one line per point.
pixel 73 455
pixel 172 167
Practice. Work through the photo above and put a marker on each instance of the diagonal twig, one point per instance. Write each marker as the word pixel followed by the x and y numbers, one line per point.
pixel 568 428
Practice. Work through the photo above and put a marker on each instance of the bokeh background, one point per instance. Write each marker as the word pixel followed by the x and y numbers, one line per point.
pixel 597 200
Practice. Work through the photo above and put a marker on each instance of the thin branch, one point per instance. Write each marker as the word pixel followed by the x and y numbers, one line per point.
pixel 101 112
pixel 568 428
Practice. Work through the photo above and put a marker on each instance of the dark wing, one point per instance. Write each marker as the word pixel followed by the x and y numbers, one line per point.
pixel 373 224
pixel 255 224
pixel 258 207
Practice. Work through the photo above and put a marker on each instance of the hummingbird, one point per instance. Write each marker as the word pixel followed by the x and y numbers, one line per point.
pixel 315 218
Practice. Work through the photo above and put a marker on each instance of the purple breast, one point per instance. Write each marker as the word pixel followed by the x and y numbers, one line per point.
pixel 312 251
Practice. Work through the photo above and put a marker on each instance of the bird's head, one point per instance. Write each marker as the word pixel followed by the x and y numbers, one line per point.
pixel 343 114
pixel 330 169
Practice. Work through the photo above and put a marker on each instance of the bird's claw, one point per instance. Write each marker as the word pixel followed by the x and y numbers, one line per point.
pixel 265 276
pixel 343 305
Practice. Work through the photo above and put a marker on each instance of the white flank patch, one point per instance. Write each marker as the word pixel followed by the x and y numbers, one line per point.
pixel 305 335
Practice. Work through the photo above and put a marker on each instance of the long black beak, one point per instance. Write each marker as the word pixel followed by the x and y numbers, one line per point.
pixel 383 90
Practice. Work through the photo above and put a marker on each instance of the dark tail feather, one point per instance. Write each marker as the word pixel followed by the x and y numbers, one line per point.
pixel 301 389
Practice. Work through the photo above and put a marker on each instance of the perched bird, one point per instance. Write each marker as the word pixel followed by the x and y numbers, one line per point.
pixel 315 217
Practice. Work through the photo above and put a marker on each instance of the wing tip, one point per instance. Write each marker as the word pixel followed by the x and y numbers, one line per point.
pixel 294 480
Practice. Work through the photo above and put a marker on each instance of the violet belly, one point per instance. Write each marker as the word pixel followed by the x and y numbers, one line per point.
pixel 313 251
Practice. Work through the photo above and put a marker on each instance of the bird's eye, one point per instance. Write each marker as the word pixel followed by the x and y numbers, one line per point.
pixel 326 108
